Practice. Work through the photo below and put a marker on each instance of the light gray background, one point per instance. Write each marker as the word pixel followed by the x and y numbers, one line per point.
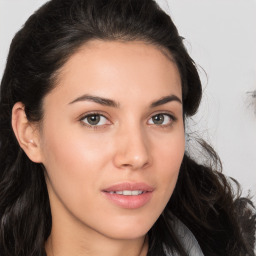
pixel 221 38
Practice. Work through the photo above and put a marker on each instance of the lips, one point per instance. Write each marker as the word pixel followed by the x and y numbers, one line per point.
pixel 129 195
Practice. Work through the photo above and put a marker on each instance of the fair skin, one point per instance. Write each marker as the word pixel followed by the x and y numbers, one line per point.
pixel 105 124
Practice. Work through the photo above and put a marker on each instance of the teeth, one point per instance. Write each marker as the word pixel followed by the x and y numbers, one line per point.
pixel 136 192
pixel 127 192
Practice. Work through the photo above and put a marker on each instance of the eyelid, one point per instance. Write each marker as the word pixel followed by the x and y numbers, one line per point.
pixel 93 112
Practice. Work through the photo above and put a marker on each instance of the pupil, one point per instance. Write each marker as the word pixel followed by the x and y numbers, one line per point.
pixel 158 119
pixel 93 120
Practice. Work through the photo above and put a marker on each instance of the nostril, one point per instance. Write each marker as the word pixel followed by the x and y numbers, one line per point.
pixel 136 163
pixel 127 165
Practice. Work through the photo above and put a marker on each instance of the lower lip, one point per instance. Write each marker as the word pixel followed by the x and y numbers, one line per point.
pixel 129 202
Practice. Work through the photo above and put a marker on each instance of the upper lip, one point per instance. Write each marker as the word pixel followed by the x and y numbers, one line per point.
pixel 141 186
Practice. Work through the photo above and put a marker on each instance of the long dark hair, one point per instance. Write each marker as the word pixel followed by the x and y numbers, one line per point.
pixel 202 200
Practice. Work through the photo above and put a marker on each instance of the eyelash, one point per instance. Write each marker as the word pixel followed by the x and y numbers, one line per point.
pixel 172 118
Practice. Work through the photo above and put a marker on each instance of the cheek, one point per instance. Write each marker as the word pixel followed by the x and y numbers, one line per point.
pixel 73 164
pixel 73 149
pixel 169 158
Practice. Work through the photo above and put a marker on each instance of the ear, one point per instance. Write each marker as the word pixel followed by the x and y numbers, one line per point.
pixel 26 133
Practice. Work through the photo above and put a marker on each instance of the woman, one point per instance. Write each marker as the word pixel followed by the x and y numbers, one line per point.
pixel 93 105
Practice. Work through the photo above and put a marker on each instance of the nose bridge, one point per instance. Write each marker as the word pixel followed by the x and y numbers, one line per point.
pixel 132 147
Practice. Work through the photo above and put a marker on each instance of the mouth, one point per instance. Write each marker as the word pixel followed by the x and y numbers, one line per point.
pixel 129 195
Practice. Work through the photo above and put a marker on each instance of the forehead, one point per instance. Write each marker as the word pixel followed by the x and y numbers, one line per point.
pixel 113 68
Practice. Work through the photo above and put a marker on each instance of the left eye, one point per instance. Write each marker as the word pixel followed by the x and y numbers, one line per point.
pixel 95 120
pixel 161 119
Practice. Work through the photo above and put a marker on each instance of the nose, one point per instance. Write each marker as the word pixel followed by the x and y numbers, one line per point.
pixel 132 149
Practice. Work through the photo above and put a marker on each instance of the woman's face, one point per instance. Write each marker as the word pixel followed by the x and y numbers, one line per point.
pixel 112 139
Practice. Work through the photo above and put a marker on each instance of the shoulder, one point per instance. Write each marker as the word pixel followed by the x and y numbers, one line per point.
pixel 246 216
pixel 186 238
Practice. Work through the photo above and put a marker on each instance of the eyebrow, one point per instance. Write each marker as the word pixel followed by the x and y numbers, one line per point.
pixel 96 99
pixel 112 103
pixel 165 100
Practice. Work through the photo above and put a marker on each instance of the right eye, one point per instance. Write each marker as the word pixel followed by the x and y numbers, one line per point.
pixel 95 120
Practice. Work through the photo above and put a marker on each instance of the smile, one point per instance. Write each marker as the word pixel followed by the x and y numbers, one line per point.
pixel 129 195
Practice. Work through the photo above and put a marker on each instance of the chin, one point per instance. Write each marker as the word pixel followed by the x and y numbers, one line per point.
pixel 127 234
pixel 128 230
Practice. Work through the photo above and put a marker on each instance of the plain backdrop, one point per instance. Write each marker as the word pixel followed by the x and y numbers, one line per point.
pixel 220 36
